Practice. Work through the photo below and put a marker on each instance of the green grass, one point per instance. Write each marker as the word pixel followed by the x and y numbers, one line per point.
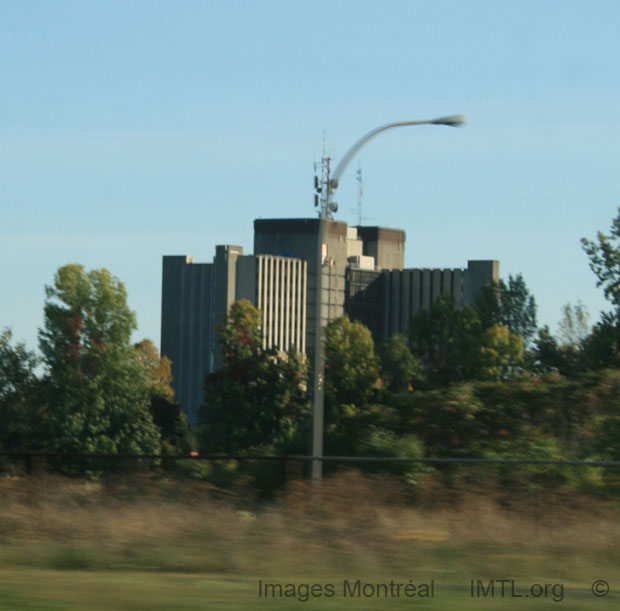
pixel 49 590
pixel 165 544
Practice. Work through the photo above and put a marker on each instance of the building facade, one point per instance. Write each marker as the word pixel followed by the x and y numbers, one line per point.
pixel 197 296
pixel 385 300
pixel 343 246
pixel 363 276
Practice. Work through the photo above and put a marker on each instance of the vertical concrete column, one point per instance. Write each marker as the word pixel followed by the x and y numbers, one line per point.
pixel 426 289
pixel 405 302
pixel 386 279
pixel 446 282
pixel 288 281
pixel 436 284
pixel 260 297
pixel 477 275
pixel 270 302
pixel 276 302
pixel 416 290
pixel 395 278
pixel 457 288
pixel 296 312
pixel 303 301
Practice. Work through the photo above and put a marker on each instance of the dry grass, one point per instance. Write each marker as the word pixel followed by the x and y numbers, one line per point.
pixel 353 522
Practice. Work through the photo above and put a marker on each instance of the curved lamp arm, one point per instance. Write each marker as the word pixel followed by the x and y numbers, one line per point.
pixel 452 121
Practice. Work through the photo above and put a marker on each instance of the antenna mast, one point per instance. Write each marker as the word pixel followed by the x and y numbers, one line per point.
pixel 360 192
pixel 322 186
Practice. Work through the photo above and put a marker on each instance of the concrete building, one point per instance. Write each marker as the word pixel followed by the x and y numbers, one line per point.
pixel 385 300
pixel 277 287
pixel 363 276
pixel 197 296
pixel 343 246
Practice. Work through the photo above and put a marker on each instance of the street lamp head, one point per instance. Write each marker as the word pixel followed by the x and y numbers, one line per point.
pixel 452 121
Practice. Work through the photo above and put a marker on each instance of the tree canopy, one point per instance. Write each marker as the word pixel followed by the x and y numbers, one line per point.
pixel 517 308
pixel 455 345
pixel 604 255
pixel 510 305
pixel 258 397
pixel 98 389
pixel 19 418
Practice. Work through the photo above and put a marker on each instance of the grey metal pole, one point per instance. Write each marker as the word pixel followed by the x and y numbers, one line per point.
pixel 318 396
pixel 319 347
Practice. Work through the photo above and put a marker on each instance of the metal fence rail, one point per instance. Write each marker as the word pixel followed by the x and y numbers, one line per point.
pixel 307 458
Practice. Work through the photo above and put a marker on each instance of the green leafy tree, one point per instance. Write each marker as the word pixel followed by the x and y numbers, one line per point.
pixel 455 346
pixel 17 365
pixel 607 436
pixel 381 442
pixel 566 355
pixel 447 341
pixel 431 334
pixel 20 421
pixel 549 355
pixel 98 391
pixel 574 326
pixel 488 304
pixel 156 368
pixel 509 305
pixel 352 383
pixel 257 399
pixel 166 413
pixel 602 347
pixel 578 346
pixel 351 365
pixel 401 370
pixel 518 308
pixel 501 352
pixel 604 255
pixel 447 421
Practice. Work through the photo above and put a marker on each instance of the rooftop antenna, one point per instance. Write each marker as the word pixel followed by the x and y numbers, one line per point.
pixel 322 186
pixel 360 192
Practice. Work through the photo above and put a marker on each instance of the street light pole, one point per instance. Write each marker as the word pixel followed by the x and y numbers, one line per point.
pixel 319 347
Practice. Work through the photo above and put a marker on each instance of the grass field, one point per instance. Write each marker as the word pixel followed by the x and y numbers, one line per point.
pixel 138 591
pixel 152 543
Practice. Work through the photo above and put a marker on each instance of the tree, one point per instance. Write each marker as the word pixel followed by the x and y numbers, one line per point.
pixel 549 356
pixel 446 421
pixel 601 349
pixel 501 352
pixel 17 366
pixel 19 421
pixel 517 309
pixel 98 389
pixel 488 304
pixel 454 345
pixel 401 369
pixel 574 327
pixel 604 255
pixel 258 397
pixel 447 341
pixel 352 383
pixel 510 305
pixel 351 365
pixel 166 413
pixel 156 368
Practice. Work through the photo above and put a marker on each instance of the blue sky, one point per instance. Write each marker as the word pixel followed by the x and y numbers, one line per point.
pixel 131 130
